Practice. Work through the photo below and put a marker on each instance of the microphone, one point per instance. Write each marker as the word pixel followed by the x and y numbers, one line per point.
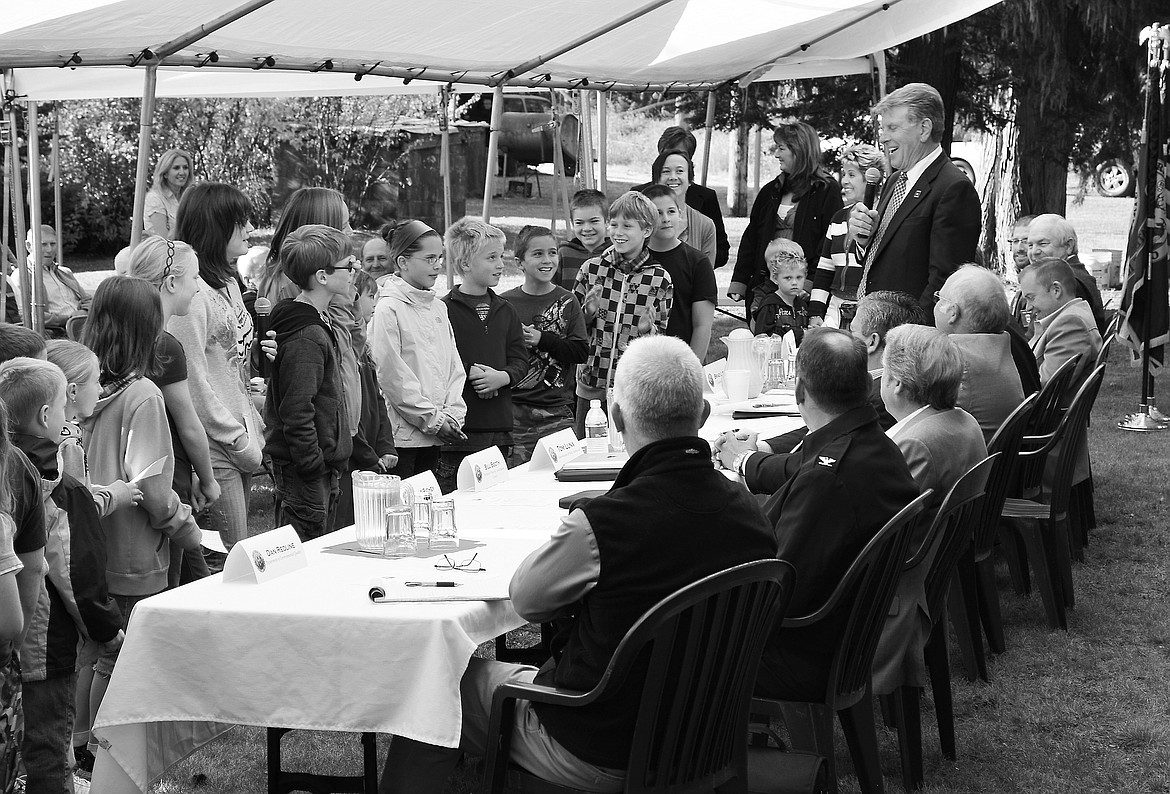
pixel 873 178
pixel 263 308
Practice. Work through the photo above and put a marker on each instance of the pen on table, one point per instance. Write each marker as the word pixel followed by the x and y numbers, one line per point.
pixel 434 584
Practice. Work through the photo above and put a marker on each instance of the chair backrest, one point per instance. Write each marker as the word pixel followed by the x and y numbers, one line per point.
pixel 1046 414
pixel 1071 434
pixel 951 531
pixel 1106 343
pixel 866 590
pixel 705 644
pixel 1006 442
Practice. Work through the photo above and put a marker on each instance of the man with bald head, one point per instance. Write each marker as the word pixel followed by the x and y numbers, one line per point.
pixel 973 310
pixel 1050 236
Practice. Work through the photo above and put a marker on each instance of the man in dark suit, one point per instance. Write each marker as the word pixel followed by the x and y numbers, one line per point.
pixel 927 221
pixel 847 480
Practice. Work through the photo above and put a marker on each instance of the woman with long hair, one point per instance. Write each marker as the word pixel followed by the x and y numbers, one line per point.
pixel 216 336
pixel 797 205
pixel 172 175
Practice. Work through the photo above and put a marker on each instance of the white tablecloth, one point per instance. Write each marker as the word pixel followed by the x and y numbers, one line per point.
pixel 309 649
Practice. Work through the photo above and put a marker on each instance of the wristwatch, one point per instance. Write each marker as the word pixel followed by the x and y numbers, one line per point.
pixel 740 461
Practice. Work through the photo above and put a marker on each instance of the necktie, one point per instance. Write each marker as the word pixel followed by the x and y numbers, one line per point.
pixel 897 194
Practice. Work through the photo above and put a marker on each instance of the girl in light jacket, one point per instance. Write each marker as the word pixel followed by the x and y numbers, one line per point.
pixel 216 335
pixel 413 347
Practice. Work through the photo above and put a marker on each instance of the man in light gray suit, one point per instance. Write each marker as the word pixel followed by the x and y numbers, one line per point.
pixel 920 385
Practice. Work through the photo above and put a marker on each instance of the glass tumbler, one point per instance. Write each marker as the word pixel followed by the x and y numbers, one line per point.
pixel 399 538
pixel 444 532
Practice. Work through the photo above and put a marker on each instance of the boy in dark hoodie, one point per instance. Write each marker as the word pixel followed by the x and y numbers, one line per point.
pixel 307 431
pixel 490 341
pixel 74 600
pixel 589 212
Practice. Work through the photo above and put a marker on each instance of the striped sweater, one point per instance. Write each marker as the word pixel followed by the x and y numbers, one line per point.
pixel 838 273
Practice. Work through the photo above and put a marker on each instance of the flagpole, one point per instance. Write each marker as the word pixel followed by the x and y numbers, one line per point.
pixel 1142 421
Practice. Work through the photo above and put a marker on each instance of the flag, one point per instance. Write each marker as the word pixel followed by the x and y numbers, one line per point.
pixel 1140 298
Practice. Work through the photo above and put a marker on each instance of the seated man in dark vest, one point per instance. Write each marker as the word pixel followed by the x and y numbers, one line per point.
pixel 669 520
pixel 847 480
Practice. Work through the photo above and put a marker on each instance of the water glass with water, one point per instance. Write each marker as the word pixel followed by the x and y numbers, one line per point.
pixel 422 516
pixel 399 538
pixel 444 532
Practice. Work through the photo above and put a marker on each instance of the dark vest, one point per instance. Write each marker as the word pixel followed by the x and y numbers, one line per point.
pixel 669 520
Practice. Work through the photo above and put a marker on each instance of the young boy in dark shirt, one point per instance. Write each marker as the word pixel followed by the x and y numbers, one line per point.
pixel 785 309
pixel 589 213
pixel 490 341
pixel 554 331
pixel 695 292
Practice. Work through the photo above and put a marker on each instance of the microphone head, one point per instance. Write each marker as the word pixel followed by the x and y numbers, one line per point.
pixel 873 176
pixel 263 307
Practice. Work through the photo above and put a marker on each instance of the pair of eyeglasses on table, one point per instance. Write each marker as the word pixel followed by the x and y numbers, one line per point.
pixel 470 565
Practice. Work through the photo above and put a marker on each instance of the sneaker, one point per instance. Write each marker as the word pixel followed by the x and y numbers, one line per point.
pixel 83 758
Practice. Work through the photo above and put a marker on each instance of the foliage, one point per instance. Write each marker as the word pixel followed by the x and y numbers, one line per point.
pixel 265 147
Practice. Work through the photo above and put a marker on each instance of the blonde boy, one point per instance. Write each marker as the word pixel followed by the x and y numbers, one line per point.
pixel 785 309
pixel 625 294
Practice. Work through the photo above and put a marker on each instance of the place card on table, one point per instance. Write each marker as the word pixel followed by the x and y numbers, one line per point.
pixel 555 450
pixel 713 377
pixel 481 470
pixel 264 557
pixel 424 485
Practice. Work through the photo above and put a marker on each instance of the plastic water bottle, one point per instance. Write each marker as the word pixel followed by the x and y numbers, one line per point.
pixel 596 430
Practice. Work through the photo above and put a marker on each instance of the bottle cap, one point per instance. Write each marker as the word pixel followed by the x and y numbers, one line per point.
pixel 595 403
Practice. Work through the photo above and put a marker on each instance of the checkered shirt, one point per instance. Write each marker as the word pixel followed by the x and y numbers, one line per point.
pixel 629 291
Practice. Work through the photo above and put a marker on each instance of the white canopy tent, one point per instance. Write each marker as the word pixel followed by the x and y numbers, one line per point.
pixel 229 47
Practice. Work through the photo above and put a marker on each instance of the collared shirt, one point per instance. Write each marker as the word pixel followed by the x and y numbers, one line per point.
pixel 1042 323
pixel 60 298
pixel 901 423
pixel 915 172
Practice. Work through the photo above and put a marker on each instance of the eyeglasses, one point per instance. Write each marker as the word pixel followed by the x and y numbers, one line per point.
pixel 470 565
pixel 1017 240
pixel 351 264
pixel 430 259
pixel 938 296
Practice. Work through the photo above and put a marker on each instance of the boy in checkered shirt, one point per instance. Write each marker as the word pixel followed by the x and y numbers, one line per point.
pixel 625 294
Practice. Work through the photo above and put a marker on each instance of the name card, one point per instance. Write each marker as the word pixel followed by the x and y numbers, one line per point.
pixel 713 377
pixel 424 485
pixel 258 559
pixel 555 450
pixel 482 470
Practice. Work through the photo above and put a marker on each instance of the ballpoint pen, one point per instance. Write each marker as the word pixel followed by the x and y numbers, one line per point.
pixel 434 584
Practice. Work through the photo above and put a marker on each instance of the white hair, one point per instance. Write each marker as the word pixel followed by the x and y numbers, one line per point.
pixel 1061 226
pixel 659 386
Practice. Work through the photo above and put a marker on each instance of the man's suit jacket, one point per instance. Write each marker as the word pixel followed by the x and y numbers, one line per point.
pixel 991 387
pixel 939 447
pixel 1069 330
pixel 935 230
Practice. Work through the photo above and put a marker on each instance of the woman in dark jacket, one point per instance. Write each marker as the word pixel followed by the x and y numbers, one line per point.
pixel 797 205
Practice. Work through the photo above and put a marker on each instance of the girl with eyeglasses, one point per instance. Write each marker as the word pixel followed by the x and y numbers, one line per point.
pixel 413 347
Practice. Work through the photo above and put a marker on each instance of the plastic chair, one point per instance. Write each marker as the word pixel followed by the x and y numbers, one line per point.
pixel 949 537
pixel 1044 527
pixel 1042 423
pixel 282 782
pixel 702 646
pixel 866 590
pixel 974 593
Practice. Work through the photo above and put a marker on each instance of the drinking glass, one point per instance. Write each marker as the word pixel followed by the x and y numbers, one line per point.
pixel 399 538
pixel 444 532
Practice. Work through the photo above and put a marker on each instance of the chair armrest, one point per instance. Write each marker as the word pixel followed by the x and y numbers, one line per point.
pixel 553 695
pixel 1024 508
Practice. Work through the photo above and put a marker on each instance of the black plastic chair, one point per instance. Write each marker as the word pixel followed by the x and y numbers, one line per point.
pixel 282 782
pixel 948 538
pixel 866 590
pixel 1044 527
pixel 1045 416
pixel 703 645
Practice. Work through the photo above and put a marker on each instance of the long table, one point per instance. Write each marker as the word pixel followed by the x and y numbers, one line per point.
pixel 310 650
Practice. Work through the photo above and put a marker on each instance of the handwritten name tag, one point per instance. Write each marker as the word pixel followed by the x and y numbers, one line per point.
pixel 713 377
pixel 258 559
pixel 555 450
pixel 482 470
pixel 424 485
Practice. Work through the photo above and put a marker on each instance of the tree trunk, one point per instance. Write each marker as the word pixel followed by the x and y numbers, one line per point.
pixel 935 59
pixel 737 159
pixel 1045 142
pixel 1000 197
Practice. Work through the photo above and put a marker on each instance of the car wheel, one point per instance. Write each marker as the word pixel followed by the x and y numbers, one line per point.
pixel 966 168
pixel 1114 178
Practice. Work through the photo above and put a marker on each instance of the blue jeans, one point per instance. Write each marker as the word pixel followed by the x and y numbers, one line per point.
pixel 48 728
pixel 310 505
pixel 229 515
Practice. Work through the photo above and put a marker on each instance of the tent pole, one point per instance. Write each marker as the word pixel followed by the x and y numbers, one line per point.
pixel 559 169
pixel 585 146
pixel 18 228
pixel 34 219
pixel 445 165
pixel 192 36
pixel 558 173
pixel 493 150
pixel 55 165
pixel 710 124
pixel 602 141
pixel 145 128
pixel 6 220
pixel 758 148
